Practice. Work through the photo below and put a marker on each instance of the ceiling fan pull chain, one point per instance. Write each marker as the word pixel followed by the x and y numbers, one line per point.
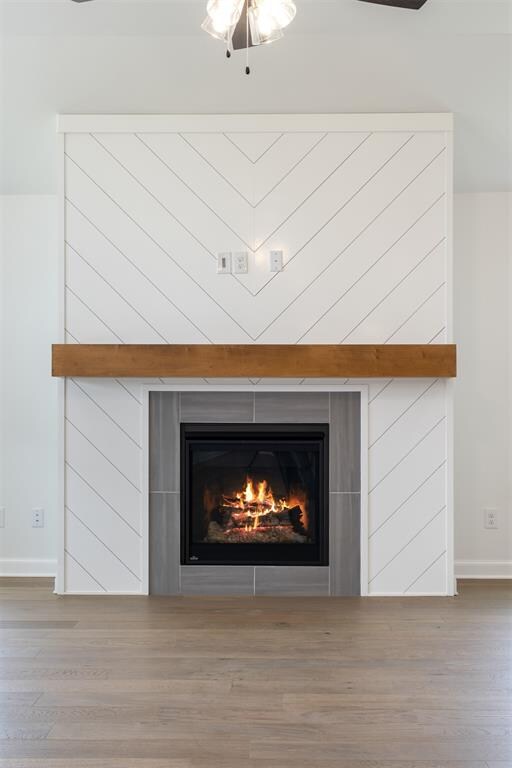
pixel 247 67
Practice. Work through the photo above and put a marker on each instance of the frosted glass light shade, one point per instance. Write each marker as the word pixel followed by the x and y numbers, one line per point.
pixel 266 20
pixel 223 16
pixel 263 28
pixel 282 11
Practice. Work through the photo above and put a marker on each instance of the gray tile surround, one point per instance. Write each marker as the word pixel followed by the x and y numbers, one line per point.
pixel 345 442
pixel 164 428
pixel 164 543
pixel 345 538
pixel 229 407
pixel 292 407
pixel 340 409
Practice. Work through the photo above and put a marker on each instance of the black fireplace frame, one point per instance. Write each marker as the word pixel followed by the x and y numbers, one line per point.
pixel 255 554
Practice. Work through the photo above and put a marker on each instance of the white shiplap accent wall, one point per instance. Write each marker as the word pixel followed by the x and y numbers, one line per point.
pixel 361 208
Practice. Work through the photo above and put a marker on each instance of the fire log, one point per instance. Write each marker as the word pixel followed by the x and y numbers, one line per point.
pixel 296 520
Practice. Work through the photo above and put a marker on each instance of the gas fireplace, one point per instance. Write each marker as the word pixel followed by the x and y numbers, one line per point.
pixel 254 494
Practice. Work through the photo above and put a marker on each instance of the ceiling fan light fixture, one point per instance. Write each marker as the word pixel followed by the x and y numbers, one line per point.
pixel 243 24
pixel 216 30
pixel 282 12
pixel 263 26
pixel 222 17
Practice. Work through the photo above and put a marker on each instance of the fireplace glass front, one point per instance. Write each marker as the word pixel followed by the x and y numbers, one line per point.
pixel 254 494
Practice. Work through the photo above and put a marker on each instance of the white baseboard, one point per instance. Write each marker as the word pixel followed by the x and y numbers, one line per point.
pixel 12 567
pixel 464 569
pixel 483 569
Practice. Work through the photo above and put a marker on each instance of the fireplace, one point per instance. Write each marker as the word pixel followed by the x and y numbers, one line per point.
pixel 254 494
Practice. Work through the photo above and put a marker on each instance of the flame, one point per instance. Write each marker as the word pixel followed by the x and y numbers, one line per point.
pixel 253 505
pixel 249 492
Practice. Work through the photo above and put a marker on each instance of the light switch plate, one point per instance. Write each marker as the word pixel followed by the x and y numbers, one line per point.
pixel 241 263
pixel 2 517
pixel 224 263
pixel 276 261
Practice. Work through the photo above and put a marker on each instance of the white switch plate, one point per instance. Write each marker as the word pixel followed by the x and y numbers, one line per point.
pixel 241 263
pixel 491 520
pixel 38 518
pixel 224 263
pixel 276 261
pixel 2 517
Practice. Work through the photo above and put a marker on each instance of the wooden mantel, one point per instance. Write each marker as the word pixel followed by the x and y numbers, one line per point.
pixel 255 360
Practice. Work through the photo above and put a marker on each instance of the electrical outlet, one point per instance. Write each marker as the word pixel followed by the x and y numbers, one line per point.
pixel 241 263
pixel 2 517
pixel 38 518
pixel 276 261
pixel 491 519
pixel 224 263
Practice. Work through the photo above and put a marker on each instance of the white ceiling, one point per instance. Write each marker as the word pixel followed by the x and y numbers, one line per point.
pixel 338 56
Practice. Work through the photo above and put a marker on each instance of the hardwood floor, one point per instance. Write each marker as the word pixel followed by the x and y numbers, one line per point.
pixel 113 682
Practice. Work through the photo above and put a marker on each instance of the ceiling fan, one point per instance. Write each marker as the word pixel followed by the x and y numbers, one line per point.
pixel 414 5
pixel 244 24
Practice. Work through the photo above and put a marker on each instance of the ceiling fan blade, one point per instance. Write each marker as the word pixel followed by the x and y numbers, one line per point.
pixel 414 5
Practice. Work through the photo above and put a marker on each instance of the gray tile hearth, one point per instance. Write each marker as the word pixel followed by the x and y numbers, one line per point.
pixel 217 580
pixel 292 581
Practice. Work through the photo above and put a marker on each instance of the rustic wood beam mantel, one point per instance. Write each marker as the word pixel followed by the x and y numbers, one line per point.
pixel 255 360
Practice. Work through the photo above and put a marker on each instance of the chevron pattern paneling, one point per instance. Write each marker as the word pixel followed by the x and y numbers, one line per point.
pixel 362 220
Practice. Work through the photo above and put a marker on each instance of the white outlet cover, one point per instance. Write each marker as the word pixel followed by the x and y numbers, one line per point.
pixel 491 519
pixel 240 263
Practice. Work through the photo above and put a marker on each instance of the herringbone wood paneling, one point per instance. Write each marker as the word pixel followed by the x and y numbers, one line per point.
pixel 362 220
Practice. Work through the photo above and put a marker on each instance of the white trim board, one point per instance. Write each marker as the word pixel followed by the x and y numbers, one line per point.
pixel 415 122
pixel 483 569
pixel 27 568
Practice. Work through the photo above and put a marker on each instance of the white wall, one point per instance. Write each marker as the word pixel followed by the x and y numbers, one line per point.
pixel 62 57
pixel 150 56
pixel 483 389
pixel 28 438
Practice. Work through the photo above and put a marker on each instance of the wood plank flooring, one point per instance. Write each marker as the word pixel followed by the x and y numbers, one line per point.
pixel 109 682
